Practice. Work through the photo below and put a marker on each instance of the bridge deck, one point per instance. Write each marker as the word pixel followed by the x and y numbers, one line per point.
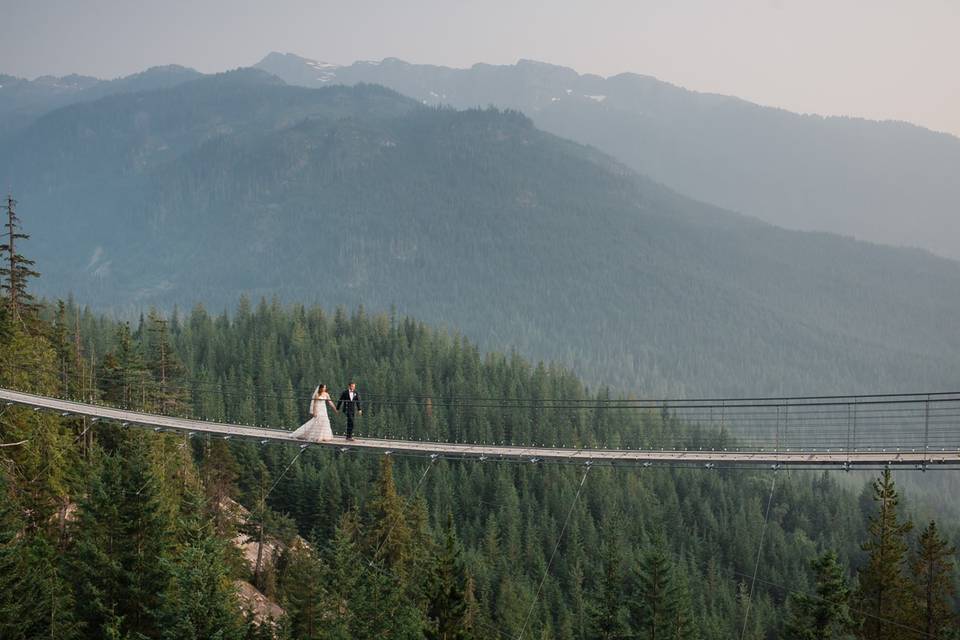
pixel 811 458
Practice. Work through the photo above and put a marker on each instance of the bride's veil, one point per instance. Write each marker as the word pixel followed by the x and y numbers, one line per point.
pixel 314 401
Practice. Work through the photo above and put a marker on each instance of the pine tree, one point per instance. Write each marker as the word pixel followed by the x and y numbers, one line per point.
pixel 199 600
pixel 35 599
pixel 825 615
pixel 883 595
pixel 391 532
pixel 125 378
pixel 932 584
pixel 124 541
pixel 15 269
pixel 94 557
pixel 448 599
pixel 304 595
pixel 168 390
pixel 654 604
pixel 369 601
pixel 608 615
pixel 219 470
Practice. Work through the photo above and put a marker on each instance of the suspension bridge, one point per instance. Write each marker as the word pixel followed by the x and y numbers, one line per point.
pixel 920 431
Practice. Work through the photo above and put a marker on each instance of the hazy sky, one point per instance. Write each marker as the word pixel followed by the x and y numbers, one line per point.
pixel 880 59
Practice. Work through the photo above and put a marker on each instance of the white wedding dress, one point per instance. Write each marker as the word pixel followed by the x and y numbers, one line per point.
pixel 317 428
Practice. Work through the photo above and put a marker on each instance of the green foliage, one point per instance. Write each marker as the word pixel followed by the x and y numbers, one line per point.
pixel 659 604
pixel 449 592
pixel 16 270
pixel 456 216
pixel 826 614
pixel 145 553
pixel 883 595
pixel 198 601
pixel 34 600
pixel 766 162
pixel 932 582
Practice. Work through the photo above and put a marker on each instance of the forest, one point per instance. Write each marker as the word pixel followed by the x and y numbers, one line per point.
pixel 475 221
pixel 107 532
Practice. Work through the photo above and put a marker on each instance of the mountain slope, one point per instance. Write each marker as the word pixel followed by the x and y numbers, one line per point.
pixel 23 101
pixel 886 182
pixel 476 219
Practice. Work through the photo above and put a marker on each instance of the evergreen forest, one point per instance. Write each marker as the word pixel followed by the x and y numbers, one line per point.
pixel 474 221
pixel 113 532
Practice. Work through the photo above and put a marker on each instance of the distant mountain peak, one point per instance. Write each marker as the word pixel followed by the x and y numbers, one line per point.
pixel 527 62
pixel 297 69
pixel 247 75
pixel 72 82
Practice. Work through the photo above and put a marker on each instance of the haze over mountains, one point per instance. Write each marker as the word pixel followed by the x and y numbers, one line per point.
pixel 475 219
pixel 887 182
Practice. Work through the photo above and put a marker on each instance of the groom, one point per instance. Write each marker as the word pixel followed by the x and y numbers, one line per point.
pixel 349 403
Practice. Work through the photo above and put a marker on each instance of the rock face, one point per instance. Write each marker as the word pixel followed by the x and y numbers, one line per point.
pixel 258 605
pixel 253 601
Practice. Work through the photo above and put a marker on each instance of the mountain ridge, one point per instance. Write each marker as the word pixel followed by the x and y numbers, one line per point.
pixel 471 219
pixel 886 181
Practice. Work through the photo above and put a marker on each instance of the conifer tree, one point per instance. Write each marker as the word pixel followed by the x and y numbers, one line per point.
pixel 825 615
pixel 369 599
pixel 219 470
pixel 932 583
pixel 304 598
pixel 169 393
pixel 608 619
pixel 883 596
pixel 124 379
pixel 198 600
pixel 35 601
pixel 655 599
pixel 390 532
pixel 15 269
pixel 448 597
pixel 134 534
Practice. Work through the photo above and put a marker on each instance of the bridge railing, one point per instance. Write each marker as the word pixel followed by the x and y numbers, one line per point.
pixel 907 422
pixel 918 422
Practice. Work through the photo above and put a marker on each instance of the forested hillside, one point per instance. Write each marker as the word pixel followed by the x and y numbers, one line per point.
pixel 110 532
pixel 22 101
pixel 889 182
pixel 474 220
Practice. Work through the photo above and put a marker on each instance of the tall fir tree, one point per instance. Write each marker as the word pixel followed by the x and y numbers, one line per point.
pixel 35 599
pixel 390 529
pixel 654 598
pixel 169 394
pixel 448 608
pixel 883 596
pixel 15 268
pixel 124 380
pixel 932 584
pixel 307 607
pixel 198 599
pixel 608 614
pixel 825 615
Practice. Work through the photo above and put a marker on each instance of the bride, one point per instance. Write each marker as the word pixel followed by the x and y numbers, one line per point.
pixel 317 428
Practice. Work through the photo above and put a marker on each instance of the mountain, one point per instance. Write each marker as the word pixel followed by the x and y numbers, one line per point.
pixel 887 182
pixel 22 101
pixel 477 220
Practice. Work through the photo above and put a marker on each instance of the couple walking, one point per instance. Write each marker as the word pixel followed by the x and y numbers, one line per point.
pixel 317 428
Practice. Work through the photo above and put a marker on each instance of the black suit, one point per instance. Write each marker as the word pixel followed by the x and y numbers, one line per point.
pixel 350 407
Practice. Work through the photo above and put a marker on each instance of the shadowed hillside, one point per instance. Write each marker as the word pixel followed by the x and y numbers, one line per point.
pixel 475 219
